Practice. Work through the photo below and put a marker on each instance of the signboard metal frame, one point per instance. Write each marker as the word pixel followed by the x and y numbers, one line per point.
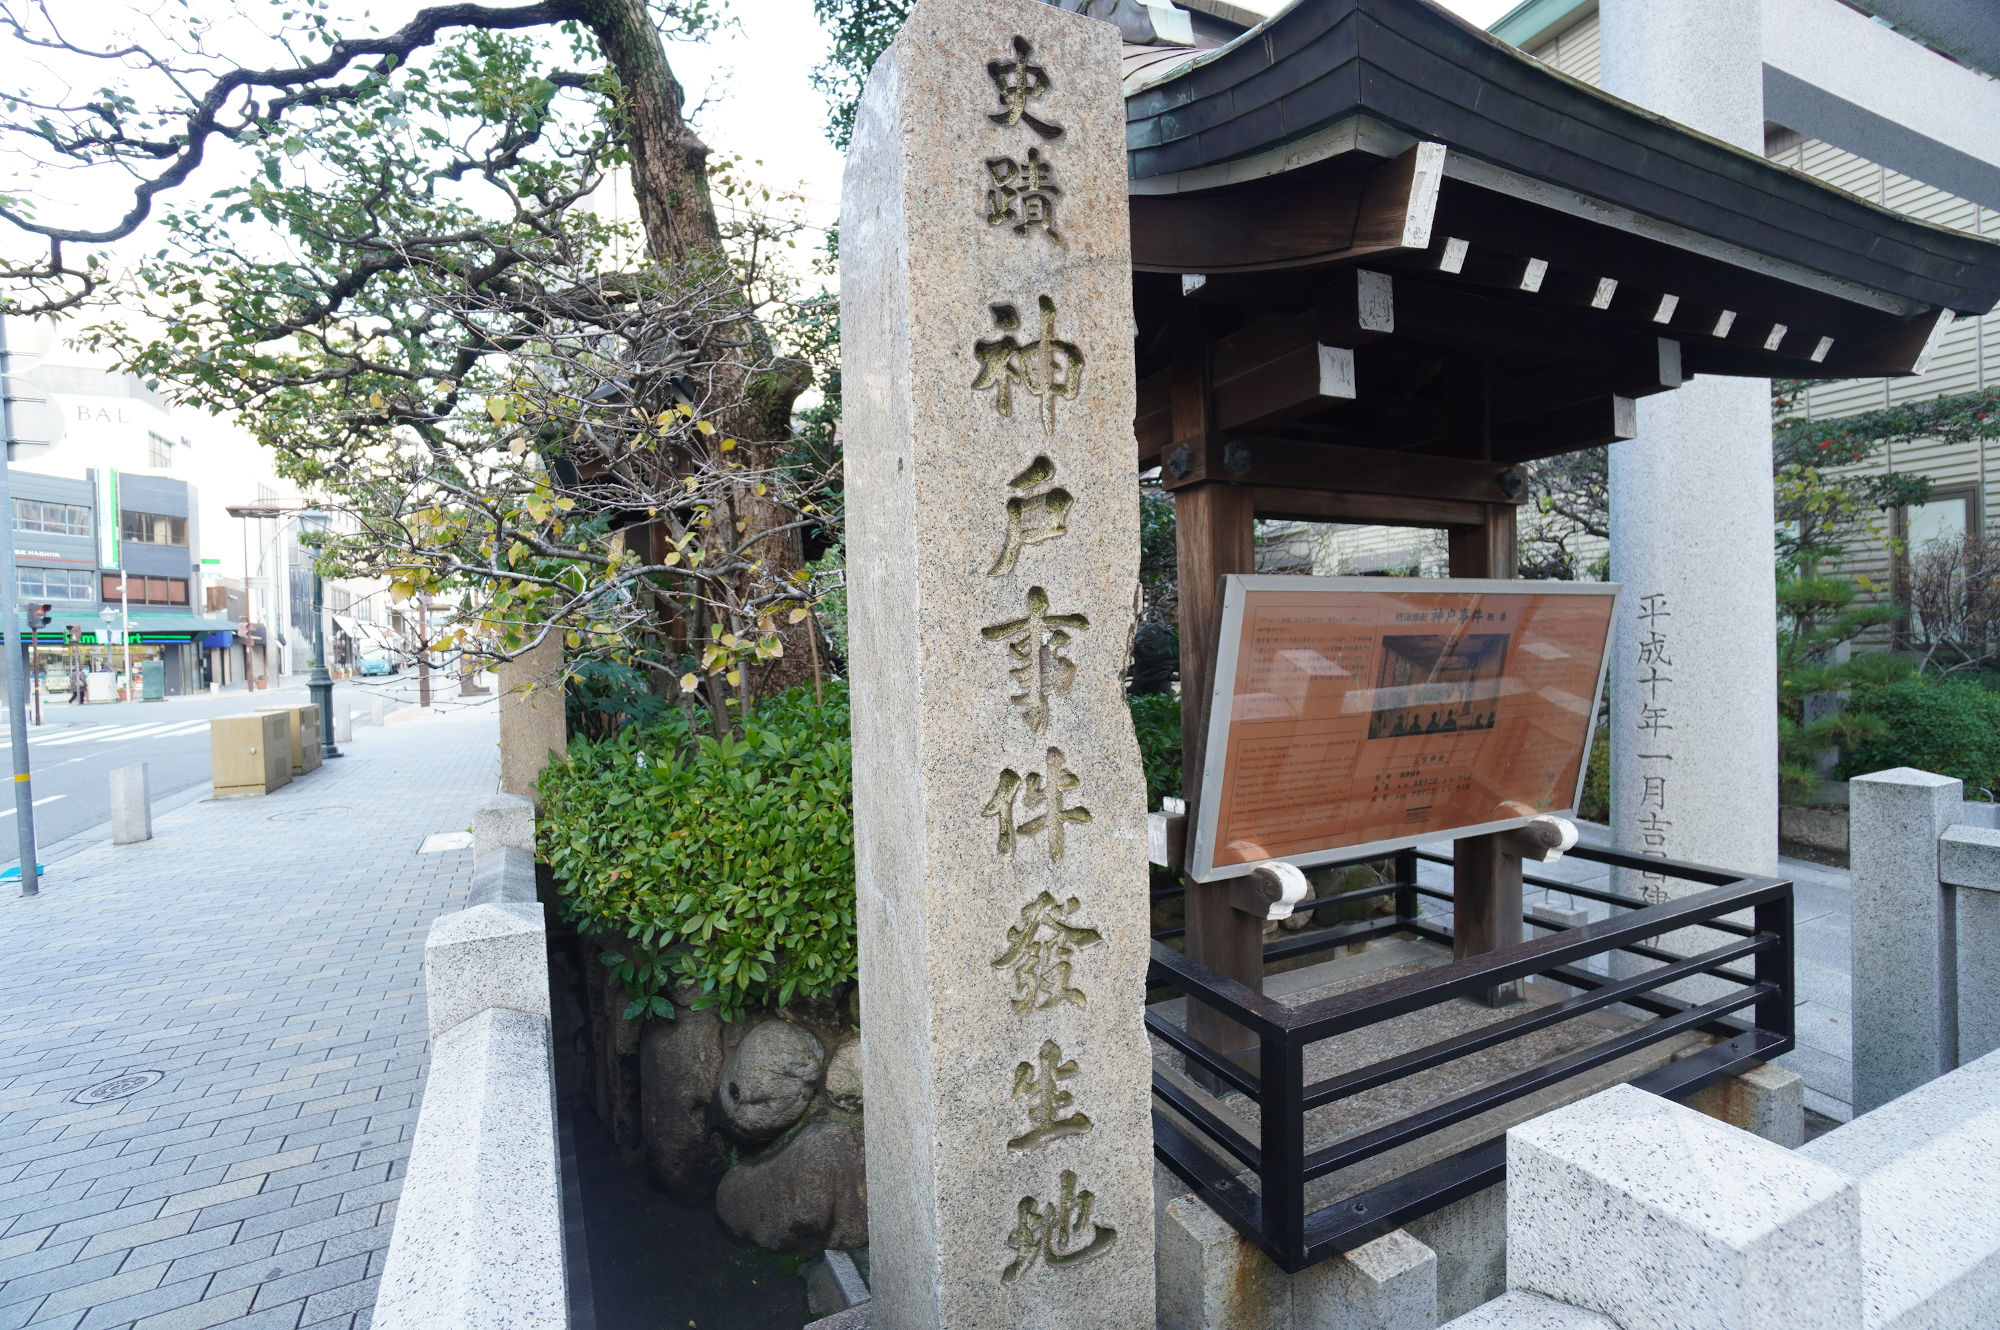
pixel 1236 588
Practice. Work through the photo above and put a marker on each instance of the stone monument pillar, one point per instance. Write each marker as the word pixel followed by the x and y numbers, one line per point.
pixel 1693 674
pixel 1000 835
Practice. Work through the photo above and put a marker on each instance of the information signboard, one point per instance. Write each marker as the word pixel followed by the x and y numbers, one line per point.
pixel 1363 714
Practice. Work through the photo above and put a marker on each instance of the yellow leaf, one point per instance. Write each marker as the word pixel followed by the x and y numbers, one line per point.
pixel 670 558
pixel 734 678
pixel 705 427
pixel 760 488
pixel 727 444
pixel 517 446
pixel 565 504
pixel 797 615
pixel 688 681
pixel 377 401
pixel 691 481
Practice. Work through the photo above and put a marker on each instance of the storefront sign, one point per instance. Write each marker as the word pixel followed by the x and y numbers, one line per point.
pixel 1357 715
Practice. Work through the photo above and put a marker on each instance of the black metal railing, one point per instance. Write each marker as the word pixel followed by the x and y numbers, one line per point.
pixel 1261 1185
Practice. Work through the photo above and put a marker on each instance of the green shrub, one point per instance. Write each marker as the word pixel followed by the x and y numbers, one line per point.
pixel 729 863
pixel 1950 728
pixel 1156 718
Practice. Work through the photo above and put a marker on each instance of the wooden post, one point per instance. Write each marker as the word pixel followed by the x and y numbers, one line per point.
pixel 1213 528
pixel 1486 879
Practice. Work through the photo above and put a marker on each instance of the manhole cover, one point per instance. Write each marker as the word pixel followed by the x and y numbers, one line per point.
pixel 118 1087
pixel 441 842
pixel 312 814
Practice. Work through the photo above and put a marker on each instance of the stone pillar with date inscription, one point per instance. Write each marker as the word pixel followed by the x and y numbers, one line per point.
pixel 992 559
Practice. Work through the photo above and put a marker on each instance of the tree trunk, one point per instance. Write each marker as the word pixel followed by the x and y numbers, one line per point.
pixel 669 172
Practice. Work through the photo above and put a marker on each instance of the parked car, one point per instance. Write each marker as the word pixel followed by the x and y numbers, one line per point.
pixel 378 662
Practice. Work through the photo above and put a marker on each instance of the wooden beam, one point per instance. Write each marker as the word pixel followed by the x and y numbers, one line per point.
pixel 1486 877
pixel 1296 383
pixel 1492 220
pixel 1588 424
pixel 1434 312
pixel 1538 393
pixel 1363 509
pixel 1288 464
pixel 1343 212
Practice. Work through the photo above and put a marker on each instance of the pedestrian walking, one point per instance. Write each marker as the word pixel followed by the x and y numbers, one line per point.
pixel 79 688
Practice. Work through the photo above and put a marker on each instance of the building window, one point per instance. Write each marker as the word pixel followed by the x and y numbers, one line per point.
pixel 159 452
pixel 55 583
pixel 50 518
pixel 153 528
pixel 145 590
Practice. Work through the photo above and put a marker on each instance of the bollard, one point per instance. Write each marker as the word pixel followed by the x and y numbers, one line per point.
pixel 343 725
pixel 131 805
pixel 377 711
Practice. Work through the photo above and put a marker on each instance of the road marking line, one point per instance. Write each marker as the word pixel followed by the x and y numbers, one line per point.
pixel 9 812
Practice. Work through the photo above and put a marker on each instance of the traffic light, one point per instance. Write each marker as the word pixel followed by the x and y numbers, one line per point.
pixel 73 635
pixel 42 616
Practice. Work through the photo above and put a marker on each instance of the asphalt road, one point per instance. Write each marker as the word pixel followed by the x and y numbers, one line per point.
pixel 72 753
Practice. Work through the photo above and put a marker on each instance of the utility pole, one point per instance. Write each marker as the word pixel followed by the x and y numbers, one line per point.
pixel 10 615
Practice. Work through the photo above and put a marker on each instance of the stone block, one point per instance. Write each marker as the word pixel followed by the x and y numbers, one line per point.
pixel 343 724
pixel 502 877
pixel 1528 1311
pixel 487 956
pixel 992 569
pixel 478 1241
pixel 1663 1219
pixel 1904 948
pixel 378 711
pixel 1210 1277
pixel 1927 1166
pixel 1469 1238
pixel 503 820
pixel 770 1081
pixel 533 726
pixel 1766 1101
pixel 131 805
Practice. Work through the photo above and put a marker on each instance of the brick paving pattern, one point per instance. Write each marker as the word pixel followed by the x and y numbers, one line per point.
pixel 265 956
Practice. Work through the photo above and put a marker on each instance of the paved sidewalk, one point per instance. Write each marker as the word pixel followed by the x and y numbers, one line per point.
pixel 263 957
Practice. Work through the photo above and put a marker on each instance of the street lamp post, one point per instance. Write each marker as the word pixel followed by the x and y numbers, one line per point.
pixel 321 683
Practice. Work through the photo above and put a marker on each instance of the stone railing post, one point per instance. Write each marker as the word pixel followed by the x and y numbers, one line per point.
pixel 1658 1217
pixel 1905 973
pixel 1969 867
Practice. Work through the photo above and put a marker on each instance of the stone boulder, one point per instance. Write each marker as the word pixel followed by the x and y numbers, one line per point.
pixel 769 1082
pixel 680 1065
pixel 806 1197
pixel 843 1076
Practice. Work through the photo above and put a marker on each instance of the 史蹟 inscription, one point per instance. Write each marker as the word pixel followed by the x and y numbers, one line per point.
pixel 1022 193
pixel 1021 81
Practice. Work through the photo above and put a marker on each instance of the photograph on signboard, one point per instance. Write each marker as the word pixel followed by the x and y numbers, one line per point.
pixel 1356 715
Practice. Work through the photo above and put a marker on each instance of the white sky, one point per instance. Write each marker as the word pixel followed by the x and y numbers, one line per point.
pixel 764 107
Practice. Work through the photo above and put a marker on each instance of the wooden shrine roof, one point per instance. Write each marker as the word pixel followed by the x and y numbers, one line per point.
pixel 1508 210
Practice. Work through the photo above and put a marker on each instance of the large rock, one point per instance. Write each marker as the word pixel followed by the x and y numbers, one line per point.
pixel 680 1065
pixel 843 1076
pixel 807 1197
pixel 770 1081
